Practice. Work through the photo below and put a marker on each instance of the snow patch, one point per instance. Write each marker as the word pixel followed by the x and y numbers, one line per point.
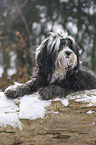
pixel 28 107
pixel 31 107
pixel 90 112
pixel 87 96
pixel 64 101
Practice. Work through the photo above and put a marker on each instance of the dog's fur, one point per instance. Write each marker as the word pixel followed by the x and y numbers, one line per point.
pixel 58 70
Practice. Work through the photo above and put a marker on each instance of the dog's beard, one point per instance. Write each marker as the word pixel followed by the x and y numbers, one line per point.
pixel 63 64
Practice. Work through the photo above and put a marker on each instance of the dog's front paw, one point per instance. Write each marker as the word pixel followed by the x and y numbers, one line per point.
pixel 12 92
pixel 45 93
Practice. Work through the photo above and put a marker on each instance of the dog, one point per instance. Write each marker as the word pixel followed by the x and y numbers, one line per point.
pixel 58 72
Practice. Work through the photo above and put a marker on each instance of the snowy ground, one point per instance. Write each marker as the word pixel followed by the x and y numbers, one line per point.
pixel 32 107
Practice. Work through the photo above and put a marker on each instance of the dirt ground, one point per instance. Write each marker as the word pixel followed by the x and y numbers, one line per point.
pixel 61 125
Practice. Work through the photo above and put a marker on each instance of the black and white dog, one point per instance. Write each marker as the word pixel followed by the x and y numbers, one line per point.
pixel 58 70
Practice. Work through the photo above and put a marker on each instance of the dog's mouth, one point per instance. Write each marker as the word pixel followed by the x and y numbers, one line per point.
pixel 66 62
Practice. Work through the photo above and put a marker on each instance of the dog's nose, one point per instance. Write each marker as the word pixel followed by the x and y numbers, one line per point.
pixel 67 53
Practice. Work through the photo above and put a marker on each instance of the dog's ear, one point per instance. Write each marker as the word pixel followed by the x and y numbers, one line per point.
pixel 45 63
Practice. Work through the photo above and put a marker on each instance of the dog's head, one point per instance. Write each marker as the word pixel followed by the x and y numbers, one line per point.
pixel 57 56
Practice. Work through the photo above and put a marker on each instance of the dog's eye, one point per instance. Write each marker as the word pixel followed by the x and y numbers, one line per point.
pixel 69 41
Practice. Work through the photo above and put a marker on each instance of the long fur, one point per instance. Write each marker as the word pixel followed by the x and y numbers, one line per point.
pixel 58 70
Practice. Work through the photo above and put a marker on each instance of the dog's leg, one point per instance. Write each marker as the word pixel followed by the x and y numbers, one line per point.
pixel 51 92
pixel 19 90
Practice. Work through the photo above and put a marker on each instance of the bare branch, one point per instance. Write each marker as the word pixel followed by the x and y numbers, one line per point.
pixel 26 27
pixel 16 14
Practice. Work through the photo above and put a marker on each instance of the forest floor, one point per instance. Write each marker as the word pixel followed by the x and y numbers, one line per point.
pixel 60 126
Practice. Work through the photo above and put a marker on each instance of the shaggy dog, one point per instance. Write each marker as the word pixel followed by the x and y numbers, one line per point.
pixel 58 70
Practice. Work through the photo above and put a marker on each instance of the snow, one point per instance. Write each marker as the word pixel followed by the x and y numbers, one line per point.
pixel 32 107
pixel 90 112
pixel 87 96
pixel 64 101
pixel 93 123
pixel 11 71
pixel 8 112
pixel 27 107
pixel 1 70
pixel 13 87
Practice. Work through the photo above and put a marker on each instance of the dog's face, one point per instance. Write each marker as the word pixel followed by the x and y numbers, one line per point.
pixel 57 55
pixel 66 59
